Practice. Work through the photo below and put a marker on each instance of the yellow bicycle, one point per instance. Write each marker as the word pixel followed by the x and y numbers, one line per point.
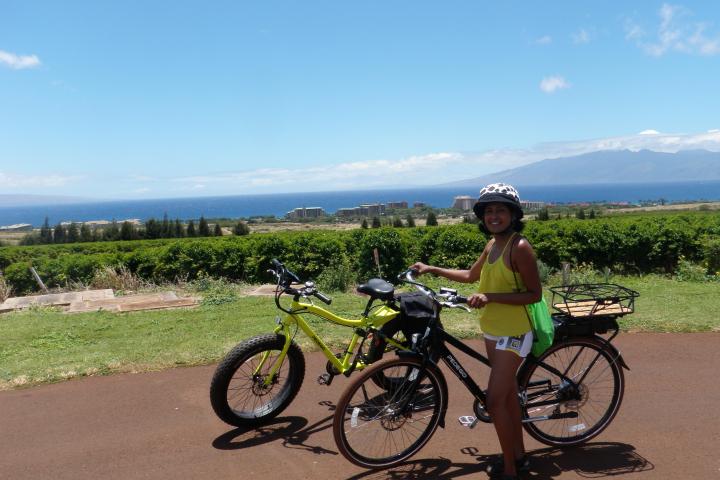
pixel 262 375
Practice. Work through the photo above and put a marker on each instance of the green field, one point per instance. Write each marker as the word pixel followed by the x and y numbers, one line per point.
pixel 44 345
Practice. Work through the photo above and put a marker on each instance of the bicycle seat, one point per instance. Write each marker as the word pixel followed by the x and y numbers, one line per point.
pixel 377 288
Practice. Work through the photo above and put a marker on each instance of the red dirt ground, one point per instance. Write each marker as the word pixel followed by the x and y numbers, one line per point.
pixel 160 426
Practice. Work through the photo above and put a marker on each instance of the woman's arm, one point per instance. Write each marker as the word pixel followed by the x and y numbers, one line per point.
pixel 463 276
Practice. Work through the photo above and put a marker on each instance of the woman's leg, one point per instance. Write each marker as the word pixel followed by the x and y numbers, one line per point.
pixel 503 405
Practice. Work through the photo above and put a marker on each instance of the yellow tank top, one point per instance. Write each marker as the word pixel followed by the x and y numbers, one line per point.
pixel 500 319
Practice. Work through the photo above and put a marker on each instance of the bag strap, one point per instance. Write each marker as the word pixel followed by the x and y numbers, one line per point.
pixel 517 286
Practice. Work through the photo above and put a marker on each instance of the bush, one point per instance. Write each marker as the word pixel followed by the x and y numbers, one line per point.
pixel 338 277
pixel 5 289
pixel 711 256
pixel 690 272
pixel 19 278
pixel 214 291
pixel 118 278
pixel 391 250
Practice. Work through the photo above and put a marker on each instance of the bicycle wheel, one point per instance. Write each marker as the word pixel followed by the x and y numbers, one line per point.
pixel 376 427
pixel 578 412
pixel 238 392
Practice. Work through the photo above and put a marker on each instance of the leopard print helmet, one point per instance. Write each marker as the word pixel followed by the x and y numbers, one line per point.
pixel 498 193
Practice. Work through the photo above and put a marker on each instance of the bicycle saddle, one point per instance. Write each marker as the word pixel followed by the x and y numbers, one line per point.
pixel 377 288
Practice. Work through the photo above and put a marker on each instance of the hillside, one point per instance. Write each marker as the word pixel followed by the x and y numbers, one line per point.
pixel 610 166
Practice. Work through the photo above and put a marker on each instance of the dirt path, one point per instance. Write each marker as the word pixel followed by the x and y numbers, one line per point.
pixel 160 426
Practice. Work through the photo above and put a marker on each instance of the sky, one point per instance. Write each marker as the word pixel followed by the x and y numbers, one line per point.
pixel 156 99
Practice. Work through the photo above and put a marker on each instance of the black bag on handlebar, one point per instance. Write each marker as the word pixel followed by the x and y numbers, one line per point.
pixel 416 310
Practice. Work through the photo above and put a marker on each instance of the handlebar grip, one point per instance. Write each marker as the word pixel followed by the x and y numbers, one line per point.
pixel 460 299
pixel 324 298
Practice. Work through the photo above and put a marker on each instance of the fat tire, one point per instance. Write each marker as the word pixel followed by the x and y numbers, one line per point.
pixel 603 388
pixel 434 395
pixel 287 387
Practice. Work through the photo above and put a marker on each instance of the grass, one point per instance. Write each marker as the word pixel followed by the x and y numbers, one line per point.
pixel 44 345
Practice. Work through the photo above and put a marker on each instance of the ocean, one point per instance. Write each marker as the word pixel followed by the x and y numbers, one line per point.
pixel 279 204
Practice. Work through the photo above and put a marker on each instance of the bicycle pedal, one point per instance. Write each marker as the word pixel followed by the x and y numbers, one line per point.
pixel 468 421
pixel 325 379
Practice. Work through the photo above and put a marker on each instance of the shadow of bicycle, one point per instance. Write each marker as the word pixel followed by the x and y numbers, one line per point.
pixel 291 432
pixel 593 460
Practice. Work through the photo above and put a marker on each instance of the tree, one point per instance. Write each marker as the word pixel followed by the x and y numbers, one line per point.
pixel 364 223
pixel 59 234
pixel 376 222
pixel 127 231
pixel 203 227
pixel 191 229
pixel 112 232
pixel 46 235
pixel 218 231
pixel 86 235
pixel 543 214
pixel 410 221
pixel 431 220
pixel 241 229
pixel 153 229
pixel 580 215
pixel 592 213
pixel 397 223
pixel 73 233
pixel 179 230
pixel 165 228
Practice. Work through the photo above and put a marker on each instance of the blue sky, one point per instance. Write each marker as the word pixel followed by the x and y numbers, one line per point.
pixel 149 99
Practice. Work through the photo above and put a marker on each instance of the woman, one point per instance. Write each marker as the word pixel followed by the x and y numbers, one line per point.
pixel 509 280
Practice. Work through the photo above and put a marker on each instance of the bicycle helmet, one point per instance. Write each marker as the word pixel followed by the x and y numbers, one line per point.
pixel 498 193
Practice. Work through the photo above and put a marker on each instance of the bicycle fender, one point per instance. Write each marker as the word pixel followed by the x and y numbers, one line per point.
pixel 616 355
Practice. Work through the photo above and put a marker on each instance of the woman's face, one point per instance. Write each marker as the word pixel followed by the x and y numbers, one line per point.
pixel 497 217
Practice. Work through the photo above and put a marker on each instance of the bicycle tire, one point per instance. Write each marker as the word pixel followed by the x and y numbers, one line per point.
pixel 370 433
pixel 596 401
pixel 238 396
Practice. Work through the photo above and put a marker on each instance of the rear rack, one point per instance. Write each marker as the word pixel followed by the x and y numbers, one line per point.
pixel 590 300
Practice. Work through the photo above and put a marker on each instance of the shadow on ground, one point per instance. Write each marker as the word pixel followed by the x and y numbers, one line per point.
pixel 292 432
pixel 594 460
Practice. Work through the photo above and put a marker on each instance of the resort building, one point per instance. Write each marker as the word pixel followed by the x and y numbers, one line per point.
pixel 419 204
pixel 463 202
pixel 306 212
pixel 397 205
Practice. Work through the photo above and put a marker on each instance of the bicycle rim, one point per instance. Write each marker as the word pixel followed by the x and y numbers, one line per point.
pixel 576 414
pixel 378 427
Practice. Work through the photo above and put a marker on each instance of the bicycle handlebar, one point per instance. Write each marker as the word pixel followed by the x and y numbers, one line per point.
pixel 447 297
pixel 286 277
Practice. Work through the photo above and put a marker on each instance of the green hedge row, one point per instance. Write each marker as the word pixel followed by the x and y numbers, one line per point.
pixel 637 244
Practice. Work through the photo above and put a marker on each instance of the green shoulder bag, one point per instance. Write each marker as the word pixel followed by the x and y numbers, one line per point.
pixel 540 320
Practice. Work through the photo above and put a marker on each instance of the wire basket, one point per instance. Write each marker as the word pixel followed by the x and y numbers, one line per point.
pixel 589 300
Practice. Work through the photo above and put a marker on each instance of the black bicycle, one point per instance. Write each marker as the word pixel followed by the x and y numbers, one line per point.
pixel 568 395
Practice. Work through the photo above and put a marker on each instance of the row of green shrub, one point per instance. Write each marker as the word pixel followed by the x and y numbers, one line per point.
pixel 634 245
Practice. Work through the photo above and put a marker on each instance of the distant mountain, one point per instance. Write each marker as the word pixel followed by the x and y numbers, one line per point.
pixel 12 200
pixel 609 166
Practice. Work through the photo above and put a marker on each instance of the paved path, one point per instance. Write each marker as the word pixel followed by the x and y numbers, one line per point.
pixel 160 426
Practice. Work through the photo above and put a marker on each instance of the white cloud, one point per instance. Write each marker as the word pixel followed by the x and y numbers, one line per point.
pixel 544 40
pixel 435 168
pixel 675 33
pixel 581 37
pixel 12 180
pixel 554 83
pixel 18 62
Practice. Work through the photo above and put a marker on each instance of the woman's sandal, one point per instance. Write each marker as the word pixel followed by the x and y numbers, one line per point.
pixel 497 468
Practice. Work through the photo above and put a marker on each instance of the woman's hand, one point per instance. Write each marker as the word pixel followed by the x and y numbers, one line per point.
pixel 478 300
pixel 421 268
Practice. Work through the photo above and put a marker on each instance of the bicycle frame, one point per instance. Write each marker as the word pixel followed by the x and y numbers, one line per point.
pixel 345 364
pixel 439 350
